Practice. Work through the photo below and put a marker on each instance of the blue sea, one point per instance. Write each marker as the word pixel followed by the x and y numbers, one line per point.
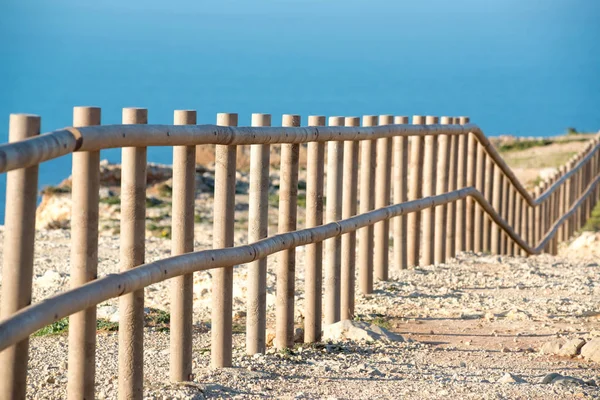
pixel 527 68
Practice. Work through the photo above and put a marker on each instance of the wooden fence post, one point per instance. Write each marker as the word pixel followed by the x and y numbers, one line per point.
pixel 182 233
pixel 461 182
pixel 471 224
pixel 497 204
pixel 84 260
pixel 451 221
pixel 510 248
pixel 429 168
pixel 313 275
pixel 526 224
pixel 286 269
pixel 367 202
pixel 537 218
pixel 133 239
pixel 504 214
pixel 350 202
pixel 333 212
pixel 442 178
pixel 480 173
pixel 19 237
pixel 381 230
pixel 489 181
pixel 415 191
pixel 400 194
pixel 223 227
pixel 258 228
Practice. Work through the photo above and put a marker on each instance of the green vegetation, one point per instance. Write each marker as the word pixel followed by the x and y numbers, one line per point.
pixel 238 328
pixel 56 328
pixel 112 200
pixel 572 131
pixel 165 190
pixel 375 319
pixel 381 322
pixel 197 218
pixel 104 325
pixel 56 190
pixel 301 201
pixel 273 199
pixel 158 319
pixel 524 144
pixel 162 231
pixel 153 202
pixel 62 326
pixel 593 224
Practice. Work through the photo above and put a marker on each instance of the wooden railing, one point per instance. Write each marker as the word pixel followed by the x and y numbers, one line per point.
pixel 451 192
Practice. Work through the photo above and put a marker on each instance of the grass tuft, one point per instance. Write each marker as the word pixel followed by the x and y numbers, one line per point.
pixel 523 145
pixel 56 190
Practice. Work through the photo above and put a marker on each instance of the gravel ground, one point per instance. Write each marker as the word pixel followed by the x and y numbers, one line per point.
pixel 467 324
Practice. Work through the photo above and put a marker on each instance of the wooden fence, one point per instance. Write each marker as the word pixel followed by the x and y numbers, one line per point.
pixel 442 185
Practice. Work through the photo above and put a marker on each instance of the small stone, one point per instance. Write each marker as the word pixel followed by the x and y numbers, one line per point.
pixel 375 372
pixel 591 350
pixel 510 378
pixel 571 348
pixel 552 347
pixel 239 315
pixel 299 335
pixel 568 381
pixel 50 279
pixel 50 380
pixel 463 364
pixel 550 377
pixel 355 330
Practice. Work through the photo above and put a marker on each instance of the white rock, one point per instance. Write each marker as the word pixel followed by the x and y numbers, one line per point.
pixel 591 350
pixel 584 240
pixel 50 279
pixel 510 378
pixel 571 348
pixel 108 312
pixel 355 330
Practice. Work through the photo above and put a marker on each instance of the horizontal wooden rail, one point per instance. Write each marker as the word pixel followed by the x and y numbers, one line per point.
pixel 26 321
pixel 48 146
pixel 65 141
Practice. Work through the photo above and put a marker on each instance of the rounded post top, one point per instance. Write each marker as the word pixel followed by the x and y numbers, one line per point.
pixel 23 126
pixel 336 121
pixel 86 116
pixel 184 117
pixel 370 120
pixel 316 120
pixel 418 120
pixel 386 119
pixel 446 120
pixel 290 120
pixel 135 115
pixel 227 119
pixel 431 120
pixel 464 120
pixel 259 119
pixel 352 121
pixel 400 120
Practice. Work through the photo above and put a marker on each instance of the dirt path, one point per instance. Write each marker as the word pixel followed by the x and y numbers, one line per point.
pixel 467 323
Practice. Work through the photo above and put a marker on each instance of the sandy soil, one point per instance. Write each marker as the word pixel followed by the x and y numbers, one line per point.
pixel 467 323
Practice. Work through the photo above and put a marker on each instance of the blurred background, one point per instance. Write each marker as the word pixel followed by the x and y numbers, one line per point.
pixel 526 68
